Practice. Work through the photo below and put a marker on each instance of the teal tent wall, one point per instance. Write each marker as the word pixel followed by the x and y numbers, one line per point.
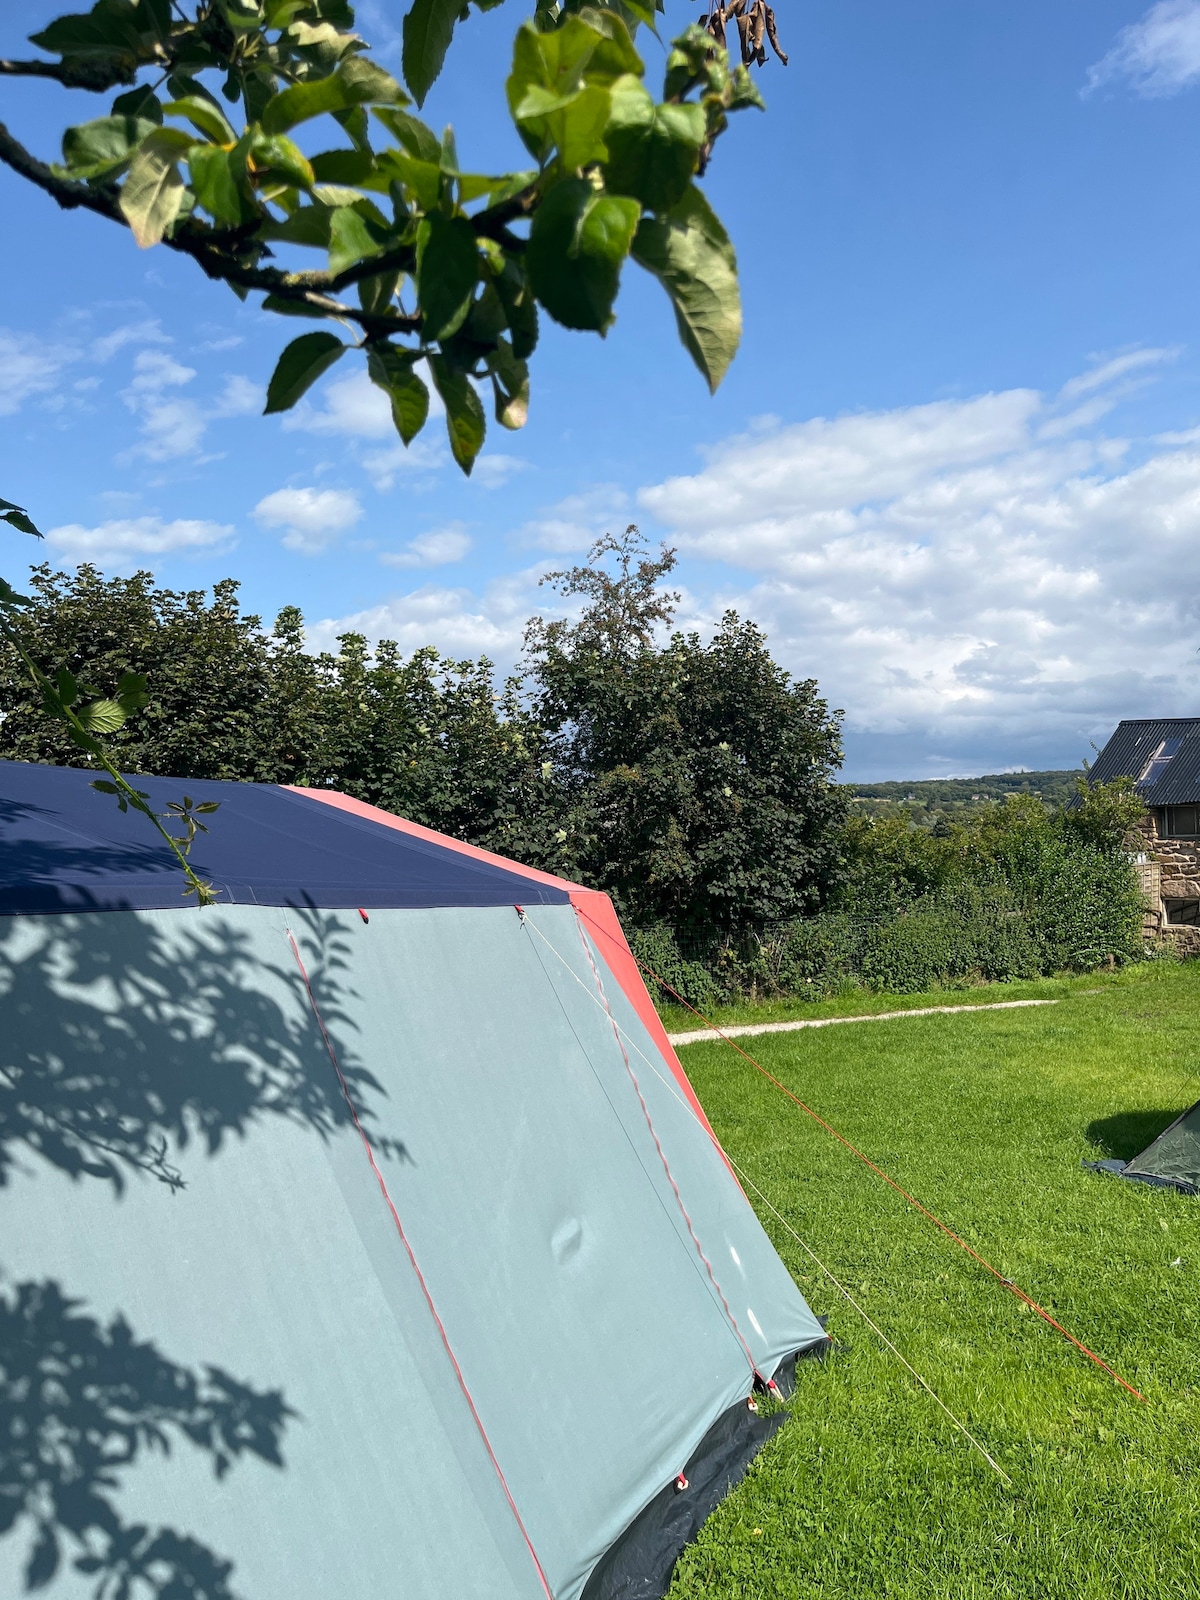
pixel 177 1153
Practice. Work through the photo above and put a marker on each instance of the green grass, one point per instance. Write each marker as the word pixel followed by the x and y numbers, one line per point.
pixel 853 1001
pixel 869 1491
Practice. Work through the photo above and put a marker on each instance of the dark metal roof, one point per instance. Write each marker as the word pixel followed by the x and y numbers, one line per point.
pixel 1132 746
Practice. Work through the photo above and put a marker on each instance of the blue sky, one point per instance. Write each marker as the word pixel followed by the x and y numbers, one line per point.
pixel 954 471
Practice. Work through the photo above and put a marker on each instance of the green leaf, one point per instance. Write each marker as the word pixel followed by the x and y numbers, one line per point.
pixel 355 82
pixel 17 517
pixel 652 150
pixel 308 225
pixel 242 15
pixel 416 137
pixel 510 386
pixel 428 30
pixel 465 421
pixel 205 117
pixel 578 241
pixel 447 272
pixel 349 167
pixel 420 178
pixel 392 371
pixel 109 29
pixel 689 252
pixel 153 192
pixel 520 307
pixel 215 184
pixel 66 687
pixel 102 716
pixel 10 597
pixel 376 294
pixel 104 146
pixel 350 239
pixel 139 102
pixel 299 366
pixel 131 692
pixel 276 158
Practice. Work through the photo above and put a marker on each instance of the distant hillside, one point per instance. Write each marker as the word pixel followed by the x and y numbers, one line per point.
pixel 929 799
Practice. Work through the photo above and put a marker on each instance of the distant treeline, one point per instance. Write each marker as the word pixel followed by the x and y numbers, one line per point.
pixel 693 780
pixel 929 799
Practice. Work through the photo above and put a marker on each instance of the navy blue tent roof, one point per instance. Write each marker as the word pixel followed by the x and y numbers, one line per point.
pixel 64 847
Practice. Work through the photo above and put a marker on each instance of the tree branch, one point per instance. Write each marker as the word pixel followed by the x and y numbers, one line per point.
pixel 210 250
pixel 96 75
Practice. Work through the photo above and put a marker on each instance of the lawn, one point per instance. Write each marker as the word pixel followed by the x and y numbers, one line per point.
pixel 869 1490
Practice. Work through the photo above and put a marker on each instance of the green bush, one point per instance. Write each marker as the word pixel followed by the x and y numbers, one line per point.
pixel 1017 892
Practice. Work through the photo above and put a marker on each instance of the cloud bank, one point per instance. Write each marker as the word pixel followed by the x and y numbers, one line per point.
pixel 1157 56
pixel 969 574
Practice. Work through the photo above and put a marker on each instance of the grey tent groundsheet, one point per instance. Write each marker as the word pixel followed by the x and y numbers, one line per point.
pixel 190 1209
pixel 1172 1161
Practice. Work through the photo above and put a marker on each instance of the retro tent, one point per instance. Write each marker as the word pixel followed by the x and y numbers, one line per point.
pixel 1171 1161
pixel 362 1231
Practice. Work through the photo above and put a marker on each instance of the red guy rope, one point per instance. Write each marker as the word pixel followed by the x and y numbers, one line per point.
pixel 441 1327
pixel 866 1160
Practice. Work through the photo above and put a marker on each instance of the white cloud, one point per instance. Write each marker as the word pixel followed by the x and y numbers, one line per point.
pixel 239 398
pixel 457 621
pixel 418 463
pixel 437 548
pixel 29 368
pixel 171 425
pixel 579 520
pixel 103 349
pixel 1158 55
pixel 312 519
pixel 120 545
pixel 352 407
pixel 949 567
pixel 494 471
pixel 1107 372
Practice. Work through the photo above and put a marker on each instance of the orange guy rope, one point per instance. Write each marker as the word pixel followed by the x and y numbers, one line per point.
pixel 866 1160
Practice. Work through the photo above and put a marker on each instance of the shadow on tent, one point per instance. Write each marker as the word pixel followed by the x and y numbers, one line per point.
pixel 119 1050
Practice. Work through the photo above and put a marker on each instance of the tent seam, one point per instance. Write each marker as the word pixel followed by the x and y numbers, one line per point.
pixel 420 1276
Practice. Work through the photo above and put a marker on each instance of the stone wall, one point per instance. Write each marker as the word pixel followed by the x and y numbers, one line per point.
pixel 1171 873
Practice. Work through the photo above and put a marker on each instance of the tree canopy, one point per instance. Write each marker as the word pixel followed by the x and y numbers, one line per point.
pixel 691 779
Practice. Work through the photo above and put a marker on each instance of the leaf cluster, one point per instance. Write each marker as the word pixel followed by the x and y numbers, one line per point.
pixel 219 147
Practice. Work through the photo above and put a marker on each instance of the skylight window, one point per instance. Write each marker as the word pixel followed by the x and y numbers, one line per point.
pixel 1160 760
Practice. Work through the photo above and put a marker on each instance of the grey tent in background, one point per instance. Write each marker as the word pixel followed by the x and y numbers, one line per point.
pixel 359 1235
pixel 1171 1161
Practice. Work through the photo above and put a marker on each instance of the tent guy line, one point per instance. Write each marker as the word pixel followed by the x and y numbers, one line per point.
pixel 874 1326
pixel 745 1030
pixel 742 1177
pixel 413 1262
pixel 1008 1283
pixel 662 1156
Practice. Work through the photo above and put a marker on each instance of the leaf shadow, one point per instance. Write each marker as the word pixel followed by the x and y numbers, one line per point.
pixel 125 1055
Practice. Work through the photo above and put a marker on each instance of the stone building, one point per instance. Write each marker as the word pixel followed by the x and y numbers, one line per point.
pixel 1163 755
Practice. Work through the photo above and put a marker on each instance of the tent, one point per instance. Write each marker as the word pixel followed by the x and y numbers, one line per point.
pixel 1172 1161
pixel 361 1234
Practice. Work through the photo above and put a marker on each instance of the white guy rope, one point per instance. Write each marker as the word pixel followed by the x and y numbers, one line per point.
pixel 672 1088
